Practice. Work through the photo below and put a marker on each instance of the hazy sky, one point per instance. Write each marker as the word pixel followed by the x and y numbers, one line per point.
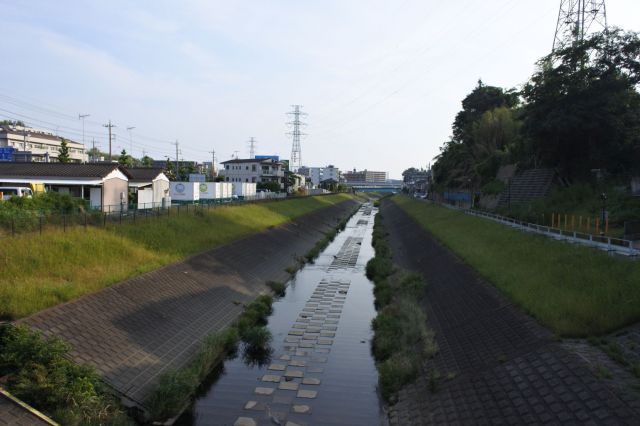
pixel 380 80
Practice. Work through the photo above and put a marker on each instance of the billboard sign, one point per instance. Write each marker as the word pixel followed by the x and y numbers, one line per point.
pixel 6 153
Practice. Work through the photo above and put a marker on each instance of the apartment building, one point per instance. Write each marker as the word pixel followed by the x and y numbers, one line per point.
pixel 39 145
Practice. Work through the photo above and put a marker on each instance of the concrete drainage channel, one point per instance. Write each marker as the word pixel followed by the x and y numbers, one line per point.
pixel 320 370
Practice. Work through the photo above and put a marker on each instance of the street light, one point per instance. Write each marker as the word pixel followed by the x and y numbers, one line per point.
pixel 603 197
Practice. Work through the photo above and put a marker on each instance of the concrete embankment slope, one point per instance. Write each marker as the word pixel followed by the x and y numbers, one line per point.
pixel 134 331
pixel 495 363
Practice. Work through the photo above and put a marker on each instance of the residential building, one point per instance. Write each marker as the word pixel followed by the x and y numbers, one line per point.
pixel 104 185
pixel 365 176
pixel 318 174
pixel 253 170
pixel 150 186
pixel 39 145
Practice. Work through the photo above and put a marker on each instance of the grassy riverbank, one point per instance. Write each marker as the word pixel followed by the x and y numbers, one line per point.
pixel 574 290
pixel 41 271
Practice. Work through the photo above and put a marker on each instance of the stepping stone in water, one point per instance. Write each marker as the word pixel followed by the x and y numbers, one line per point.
pixel 330 328
pixel 297 363
pixel 277 367
pixel 294 373
pixel 300 326
pixel 303 393
pixel 263 391
pixel 302 353
pixel 270 378
pixel 315 369
pixel 245 421
pixel 285 357
pixel 327 334
pixel 310 381
pixel 301 409
pixel 254 405
pixel 292 386
pixel 296 332
pixel 332 321
pixel 325 342
pixel 307 345
pixel 323 350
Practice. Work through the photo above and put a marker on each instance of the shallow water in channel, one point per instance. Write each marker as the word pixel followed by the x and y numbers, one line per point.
pixel 320 370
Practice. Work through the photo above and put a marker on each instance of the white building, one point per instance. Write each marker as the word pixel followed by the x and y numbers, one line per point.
pixel 318 174
pixel 43 146
pixel 253 170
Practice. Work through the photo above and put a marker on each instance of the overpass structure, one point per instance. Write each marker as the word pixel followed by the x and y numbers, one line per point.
pixel 374 186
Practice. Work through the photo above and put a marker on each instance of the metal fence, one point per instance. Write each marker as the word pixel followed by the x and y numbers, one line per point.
pixel 33 221
pixel 609 244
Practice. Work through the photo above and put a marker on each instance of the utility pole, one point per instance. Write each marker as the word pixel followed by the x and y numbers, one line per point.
pixel 213 163
pixel 576 18
pixel 252 147
pixel 109 126
pixel 235 155
pixel 82 117
pixel 296 153
pixel 129 129
pixel 177 164
pixel 93 150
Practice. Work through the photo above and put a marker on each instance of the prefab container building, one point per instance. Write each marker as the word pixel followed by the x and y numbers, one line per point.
pixel 185 192
pixel 244 189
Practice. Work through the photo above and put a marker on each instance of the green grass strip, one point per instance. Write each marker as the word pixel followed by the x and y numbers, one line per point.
pixel 575 291
pixel 42 271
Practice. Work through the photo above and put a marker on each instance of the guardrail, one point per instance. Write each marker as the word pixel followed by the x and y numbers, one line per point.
pixel 609 244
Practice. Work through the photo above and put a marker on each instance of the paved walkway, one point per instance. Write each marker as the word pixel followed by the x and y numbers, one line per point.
pixel 15 413
pixel 496 364
pixel 134 331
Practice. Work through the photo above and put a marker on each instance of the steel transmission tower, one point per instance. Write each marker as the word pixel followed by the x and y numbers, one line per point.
pixel 296 153
pixel 252 147
pixel 576 18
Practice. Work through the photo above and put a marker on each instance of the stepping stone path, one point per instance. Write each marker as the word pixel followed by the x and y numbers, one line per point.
pixel 305 349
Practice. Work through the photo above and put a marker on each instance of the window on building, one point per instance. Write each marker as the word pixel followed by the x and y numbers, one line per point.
pixel 253 179
pixel 253 167
pixel 246 180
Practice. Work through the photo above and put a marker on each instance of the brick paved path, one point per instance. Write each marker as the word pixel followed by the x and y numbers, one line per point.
pixel 497 365
pixel 134 331
pixel 13 414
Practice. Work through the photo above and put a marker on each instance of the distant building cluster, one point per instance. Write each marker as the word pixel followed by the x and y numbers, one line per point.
pixel 20 143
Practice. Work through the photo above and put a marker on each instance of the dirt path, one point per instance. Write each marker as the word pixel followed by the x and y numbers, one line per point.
pixel 495 363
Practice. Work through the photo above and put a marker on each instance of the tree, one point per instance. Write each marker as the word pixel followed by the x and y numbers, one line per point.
pixel 169 170
pixel 147 161
pixel 12 123
pixel 269 186
pixel 583 107
pixel 125 159
pixel 63 151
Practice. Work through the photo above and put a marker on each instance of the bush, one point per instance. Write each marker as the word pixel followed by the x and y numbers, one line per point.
pixel 257 337
pixel 278 288
pixel 37 372
pixel 396 371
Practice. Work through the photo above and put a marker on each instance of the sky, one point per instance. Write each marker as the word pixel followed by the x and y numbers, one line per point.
pixel 381 81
